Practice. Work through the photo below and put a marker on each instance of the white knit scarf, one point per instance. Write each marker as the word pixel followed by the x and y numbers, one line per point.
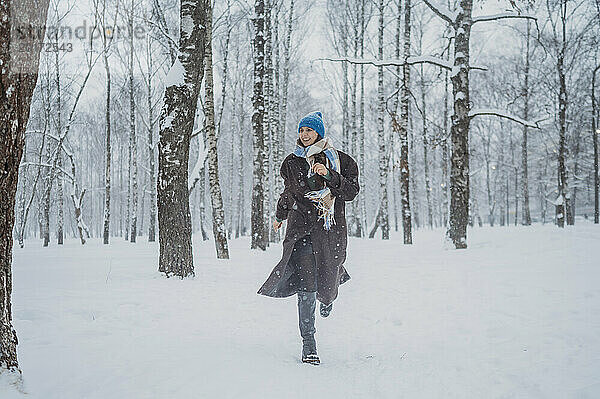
pixel 323 200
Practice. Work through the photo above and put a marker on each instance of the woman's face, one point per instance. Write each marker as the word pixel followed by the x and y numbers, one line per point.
pixel 308 136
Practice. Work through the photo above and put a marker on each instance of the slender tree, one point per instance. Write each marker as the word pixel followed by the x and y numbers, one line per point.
pixel 259 235
pixel 382 218
pixel 402 129
pixel 132 127
pixel 595 134
pixel 100 20
pixel 526 221
pixel 211 141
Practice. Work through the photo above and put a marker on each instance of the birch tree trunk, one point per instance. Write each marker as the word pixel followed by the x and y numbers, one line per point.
pixel 202 195
pixel 121 217
pixel 151 154
pixel 563 188
pixel 218 214
pixel 513 162
pixel 107 156
pixel 46 198
pixel 259 236
pixel 426 151
pixel 445 178
pixel 100 16
pixel 459 171
pixel 403 129
pixel 396 149
pixel 542 187
pixel 352 134
pixel 346 87
pixel 525 179
pixel 267 131
pixel 595 133
pixel 383 158
pixel 362 225
pixel 232 160
pixel 490 196
pixel 18 77
pixel 278 138
pixel 60 182
pixel 107 145
pixel 353 141
pixel 282 118
pixel 133 137
pixel 128 208
pixel 60 197
pixel 412 151
pixel 241 224
pixel 182 86
pixel 22 205
pixel 77 199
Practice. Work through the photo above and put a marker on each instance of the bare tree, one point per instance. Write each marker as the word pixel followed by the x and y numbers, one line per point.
pixel 524 154
pixel 100 21
pixel 462 21
pixel 595 133
pixel 565 42
pixel 132 123
pixel 382 217
pixel 401 128
pixel 182 87
pixel 211 141
pixel 150 104
pixel 259 233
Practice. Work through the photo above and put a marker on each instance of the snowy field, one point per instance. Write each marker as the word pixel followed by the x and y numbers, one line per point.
pixel 517 315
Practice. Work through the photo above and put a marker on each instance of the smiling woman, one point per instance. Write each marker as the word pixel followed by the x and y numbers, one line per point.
pixel 314 248
pixel 308 136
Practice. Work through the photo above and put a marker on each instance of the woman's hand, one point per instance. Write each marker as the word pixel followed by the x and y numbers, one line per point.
pixel 276 225
pixel 320 169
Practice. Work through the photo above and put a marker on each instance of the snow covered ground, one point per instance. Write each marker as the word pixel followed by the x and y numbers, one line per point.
pixel 517 315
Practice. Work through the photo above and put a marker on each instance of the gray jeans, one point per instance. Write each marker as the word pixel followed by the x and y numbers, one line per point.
pixel 303 262
pixel 306 320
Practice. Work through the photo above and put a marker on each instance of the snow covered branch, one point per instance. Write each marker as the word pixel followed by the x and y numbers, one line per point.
pixel 427 59
pixel 392 62
pixel 421 59
pixel 504 15
pixel 441 12
pixel 496 112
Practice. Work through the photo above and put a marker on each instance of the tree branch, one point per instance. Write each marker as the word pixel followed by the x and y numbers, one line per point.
pixel 504 15
pixel 423 59
pixel 446 15
pixel 502 114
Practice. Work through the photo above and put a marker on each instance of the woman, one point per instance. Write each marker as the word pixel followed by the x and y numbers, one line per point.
pixel 318 181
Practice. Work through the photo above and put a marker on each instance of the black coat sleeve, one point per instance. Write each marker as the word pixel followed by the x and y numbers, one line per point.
pixel 285 198
pixel 345 185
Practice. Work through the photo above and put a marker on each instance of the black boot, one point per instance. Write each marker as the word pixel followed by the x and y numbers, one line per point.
pixel 306 316
pixel 324 310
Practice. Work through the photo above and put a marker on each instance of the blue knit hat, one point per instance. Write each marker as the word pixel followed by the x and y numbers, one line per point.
pixel 314 120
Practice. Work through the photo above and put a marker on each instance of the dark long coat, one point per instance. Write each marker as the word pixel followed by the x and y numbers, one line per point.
pixel 329 247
